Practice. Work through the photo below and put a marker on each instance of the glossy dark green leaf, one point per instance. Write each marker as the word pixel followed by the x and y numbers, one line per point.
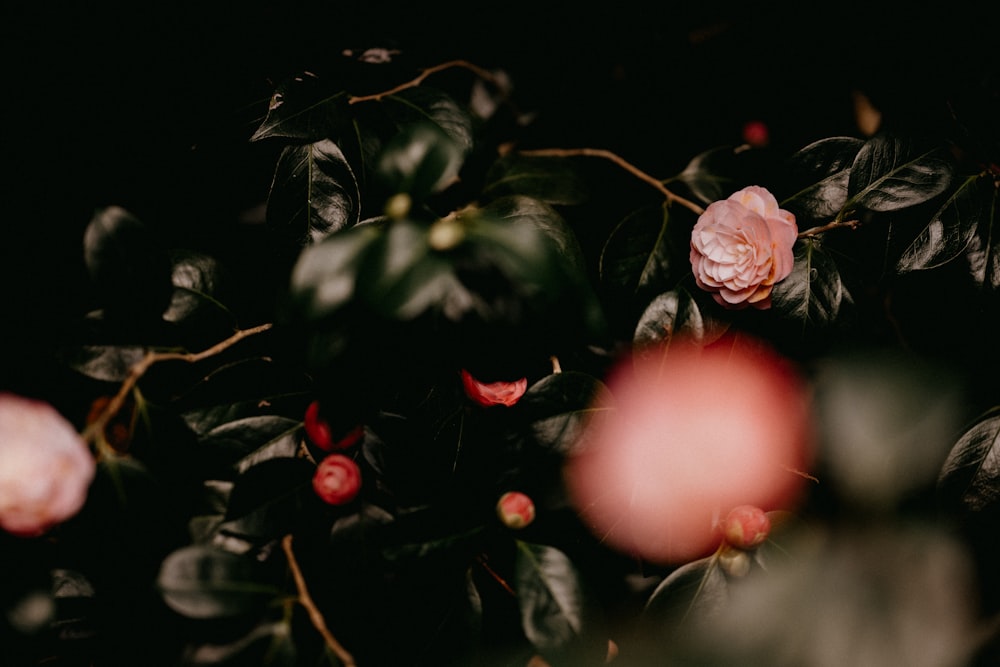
pixel 970 477
pixel 553 180
pixel 814 292
pixel 425 105
pixel 128 264
pixel 269 644
pixel 420 160
pixel 636 259
pixel 108 363
pixel 556 613
pixel 268 499
pixel 967 213
pixel 709 175
pixel 524 210
pixel 560 406
pixel 325 276
pixel 303 108
pixel 202 582
pixel 819 174
pixel 266 382
pixel 403 278
pixel 314 193
pixel 889 174
pixel 242 443
pixel 675 313
pixel 198 298
pixel 699 587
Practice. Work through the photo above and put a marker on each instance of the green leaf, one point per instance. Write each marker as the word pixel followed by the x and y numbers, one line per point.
pixel 269 644
pixel 888 175
pixel 950 229
pixel 325 276
pixel 696 588
pixel 268 499
pixel 201 582
pixel 814 292
pixel 403 278
pixel 524 210
pixel 675 313
pixel 420 160
pixel 556 614
pixel 303 108
pixel 553 180
pixel 424 105
pixel 819 175
pixel 638 255
pixel 128 265
pixel 314 193
pixel 709 175
pixel 970 477
pixel 108 363
pixel 559 407
pixel 242 443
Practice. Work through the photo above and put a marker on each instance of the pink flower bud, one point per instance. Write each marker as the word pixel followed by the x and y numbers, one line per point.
pixel 756 134
pixel 337 479
pixel 487 394
pixel 746 527
pixel 45 467
pixel 515 509
pixel 320 434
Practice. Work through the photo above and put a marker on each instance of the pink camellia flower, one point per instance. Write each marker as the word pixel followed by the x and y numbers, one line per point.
pixel 337 479
pixel 493 393
pixel 742 246
pixel 515 509
pixel 45 467
pixel 680 441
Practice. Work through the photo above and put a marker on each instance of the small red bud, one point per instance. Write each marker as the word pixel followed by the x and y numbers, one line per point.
pixel 515 509
pixel 337 479
pixel 746 527
pixel 487 394
pixel 756 134
pixel 320 434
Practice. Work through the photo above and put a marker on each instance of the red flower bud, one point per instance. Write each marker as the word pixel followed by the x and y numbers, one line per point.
pixel 487 394
pixel 320 434
pixel 515 509
pixel 337 479
pixel 746 527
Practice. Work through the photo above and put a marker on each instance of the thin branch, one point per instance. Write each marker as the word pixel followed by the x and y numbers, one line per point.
pixel 481 559
pixel 424 73
pixel 836 224
pixel 314 613
pixel 95 429
pixel 632 169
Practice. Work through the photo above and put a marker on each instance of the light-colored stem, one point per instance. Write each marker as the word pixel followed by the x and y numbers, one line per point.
pixel 630 168
pixel 836 224
pixel 95 429
pixel 478 71
pixel 315 616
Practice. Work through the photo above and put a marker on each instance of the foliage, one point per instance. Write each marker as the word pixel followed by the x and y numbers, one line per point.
pixel 411 242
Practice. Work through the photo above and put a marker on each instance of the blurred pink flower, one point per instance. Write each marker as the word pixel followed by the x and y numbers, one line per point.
pixel 682 441
pixel 487 394
pixel 45 467
pixel 742 246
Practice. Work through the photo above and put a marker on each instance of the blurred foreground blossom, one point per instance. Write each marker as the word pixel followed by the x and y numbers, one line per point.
pixel 45 467
pixel 689 436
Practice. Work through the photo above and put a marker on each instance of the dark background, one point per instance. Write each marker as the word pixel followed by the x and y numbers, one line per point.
pixel 150 106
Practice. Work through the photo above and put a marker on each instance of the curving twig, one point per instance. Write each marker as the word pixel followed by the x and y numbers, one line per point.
pixel 95 429
pixel 314 613
pixel 632 169
pixel 424 73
